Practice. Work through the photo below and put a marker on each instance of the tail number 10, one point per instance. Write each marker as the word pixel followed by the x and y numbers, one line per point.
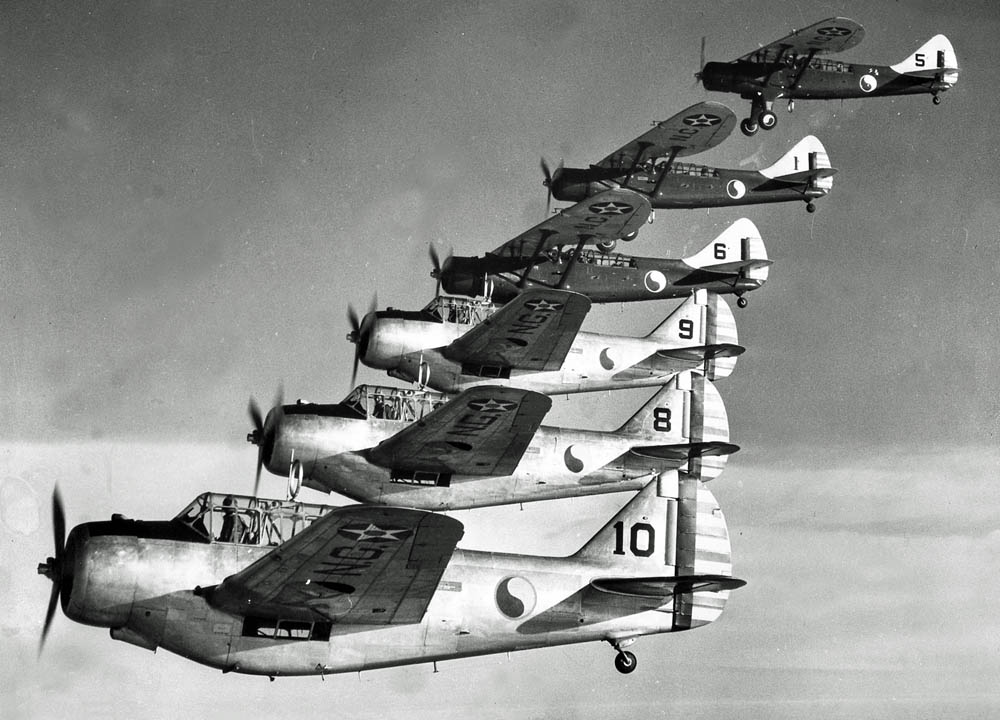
pixel 641 540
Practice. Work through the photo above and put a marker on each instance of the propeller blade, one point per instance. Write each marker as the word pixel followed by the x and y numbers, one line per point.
pixel 701 63
pixel 52 568
pixel 547 182
pixel 436 272
pixel 58 523
pixel 360 342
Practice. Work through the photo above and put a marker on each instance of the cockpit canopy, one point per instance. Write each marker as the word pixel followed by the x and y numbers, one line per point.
pixel 245 520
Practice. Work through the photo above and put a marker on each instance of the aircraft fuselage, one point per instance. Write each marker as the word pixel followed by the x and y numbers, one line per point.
pixel 821 80
pixel 686 185
pixel 558 463
pixel 602 278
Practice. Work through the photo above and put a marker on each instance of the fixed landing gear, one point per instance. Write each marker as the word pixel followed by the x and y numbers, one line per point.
pixel 936 100
pixel 761 118
pixel 748 127
pixel 625 662
pixel 741 302
pixel 810 207
pixel 768 120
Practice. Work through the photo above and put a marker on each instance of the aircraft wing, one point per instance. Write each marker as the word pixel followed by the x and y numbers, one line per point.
pixel 534 331
pixel 608 215
pixel 482 431
pixel 832 35
pixel 700 127
pixel 357 565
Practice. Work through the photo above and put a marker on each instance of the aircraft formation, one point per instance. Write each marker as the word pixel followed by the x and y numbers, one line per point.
pixel 284 587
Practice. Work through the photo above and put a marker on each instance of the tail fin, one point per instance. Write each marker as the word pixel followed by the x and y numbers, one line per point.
pixel 738 249
pixel 934 57
pixel 685 422
pixel 702 325
pixel 671 542
pixel 807 161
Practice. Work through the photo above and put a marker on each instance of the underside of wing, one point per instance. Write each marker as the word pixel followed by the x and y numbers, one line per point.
pixel 534 331
pixel 358 565
pixel 832 35
pixel 608 215
pixel 694 130
pixel 482 431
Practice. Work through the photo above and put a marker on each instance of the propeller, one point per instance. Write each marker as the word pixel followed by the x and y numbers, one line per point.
pixel 701 64
pixel 357 336
pixel 52 568
pixel 438 266
pixel 263 432
pixel 547 182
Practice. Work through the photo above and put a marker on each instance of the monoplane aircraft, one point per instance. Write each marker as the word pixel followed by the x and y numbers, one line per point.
pixel 534 342
pixel 735 262
pixel 313 590
pixel 791 68
pixel 485 446
pixel 649 166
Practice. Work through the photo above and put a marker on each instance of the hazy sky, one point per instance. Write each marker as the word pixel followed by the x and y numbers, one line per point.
pixel 193 195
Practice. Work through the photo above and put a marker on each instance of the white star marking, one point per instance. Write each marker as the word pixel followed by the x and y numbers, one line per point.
pixel 373 532
pixel 702 120
pixel 491 405
pixel 610 208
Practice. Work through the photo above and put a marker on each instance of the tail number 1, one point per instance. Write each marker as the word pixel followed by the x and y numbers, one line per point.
pixel 642 539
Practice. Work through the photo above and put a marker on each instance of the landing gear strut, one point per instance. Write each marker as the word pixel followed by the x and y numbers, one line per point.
pixel 761 117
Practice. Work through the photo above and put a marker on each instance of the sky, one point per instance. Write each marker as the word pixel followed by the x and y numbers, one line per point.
pixel 194 194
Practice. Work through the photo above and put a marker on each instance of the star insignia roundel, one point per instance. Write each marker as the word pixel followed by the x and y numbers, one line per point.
pixel 542 305
pixel 610 208
pixel 703 120
pixel 492 406
pixel 834 31
pixel 373 533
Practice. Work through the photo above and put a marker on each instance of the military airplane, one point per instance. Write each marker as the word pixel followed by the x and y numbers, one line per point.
pixel 649 166
pixel 791 68
pixel 534 342
pixel 485 446
pixel 735 262
pixel 313 590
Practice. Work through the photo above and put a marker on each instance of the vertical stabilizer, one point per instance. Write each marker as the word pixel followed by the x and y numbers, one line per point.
pixel 936 56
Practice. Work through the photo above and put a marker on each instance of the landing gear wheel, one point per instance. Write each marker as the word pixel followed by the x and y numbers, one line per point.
pixel 810 207
pixel 936 100
pixel 768 120
pixel 607 246
pixel 625 662
pixel 748 126
pixel 741 302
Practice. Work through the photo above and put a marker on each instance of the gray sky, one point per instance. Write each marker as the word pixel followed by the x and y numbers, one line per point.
pixel 193 195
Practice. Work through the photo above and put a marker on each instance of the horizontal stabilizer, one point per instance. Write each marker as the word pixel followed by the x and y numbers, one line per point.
pixel 735 267
pixel 664 587
pixel 686 451
pixel 703 352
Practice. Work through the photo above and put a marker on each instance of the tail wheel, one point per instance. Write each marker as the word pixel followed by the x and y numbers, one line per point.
pixel 741 301
pixel 748 126
pixel 936 100
pixel 607 246
pixel 625 662
pixel 768 120
pixel 810 207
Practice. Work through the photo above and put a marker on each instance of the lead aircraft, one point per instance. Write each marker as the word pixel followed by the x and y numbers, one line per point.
pixel 314 590
pixel 649 166
pixel 534 342
pixel 792 68
pixel 485 446
pixel 735 262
